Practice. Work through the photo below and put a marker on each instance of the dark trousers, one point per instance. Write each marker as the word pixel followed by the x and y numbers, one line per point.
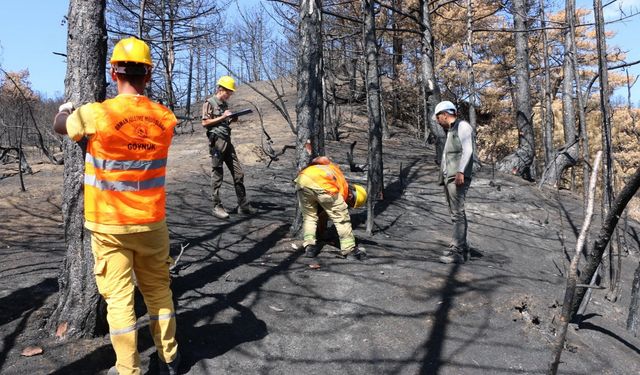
pixel 223 152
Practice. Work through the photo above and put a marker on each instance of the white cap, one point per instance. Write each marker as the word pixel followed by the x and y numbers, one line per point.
pixel 444 106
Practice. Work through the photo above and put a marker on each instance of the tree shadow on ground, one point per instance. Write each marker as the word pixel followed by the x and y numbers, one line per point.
pixel 432 361
pixel 212 340
pixel 593 327
pixel 22 304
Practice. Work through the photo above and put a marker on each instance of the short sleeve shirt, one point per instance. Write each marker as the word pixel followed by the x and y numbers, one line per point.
pixel 212 108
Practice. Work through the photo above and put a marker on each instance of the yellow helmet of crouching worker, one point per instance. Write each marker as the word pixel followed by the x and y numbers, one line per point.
pixel 131 50
pixel 227 82
pixel 360 195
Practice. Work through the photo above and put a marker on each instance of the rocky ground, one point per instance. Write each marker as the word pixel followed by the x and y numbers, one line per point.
pixel 250 303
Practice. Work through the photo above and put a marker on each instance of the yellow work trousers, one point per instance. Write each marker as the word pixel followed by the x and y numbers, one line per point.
pixel 337 210
pixel 117 257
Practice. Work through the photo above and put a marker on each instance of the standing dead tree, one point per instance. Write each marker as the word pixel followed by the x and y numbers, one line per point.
pixel 79 311
pixel 520 162
pixel 309 104
pixel 572 276
pixel 594 257
pixel 374 107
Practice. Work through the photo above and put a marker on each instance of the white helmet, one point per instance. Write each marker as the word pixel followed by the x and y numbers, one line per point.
pixel 444 106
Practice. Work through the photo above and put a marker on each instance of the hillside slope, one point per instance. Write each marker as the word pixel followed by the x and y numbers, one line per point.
pixel 248 302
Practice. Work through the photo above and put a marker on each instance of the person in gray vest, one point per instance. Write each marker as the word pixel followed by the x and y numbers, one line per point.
pixel 217 118
pixel 455 174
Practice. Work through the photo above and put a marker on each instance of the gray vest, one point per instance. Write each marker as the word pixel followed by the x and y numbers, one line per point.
pixel 222 130
pixel 452 154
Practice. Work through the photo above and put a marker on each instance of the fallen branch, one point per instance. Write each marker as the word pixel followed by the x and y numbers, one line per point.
pixel 175 263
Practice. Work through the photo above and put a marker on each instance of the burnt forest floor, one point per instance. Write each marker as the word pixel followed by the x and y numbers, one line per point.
pixel 248 302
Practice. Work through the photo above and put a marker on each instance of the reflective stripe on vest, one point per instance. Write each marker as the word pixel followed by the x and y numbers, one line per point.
pixel 143 165
pixel 124 185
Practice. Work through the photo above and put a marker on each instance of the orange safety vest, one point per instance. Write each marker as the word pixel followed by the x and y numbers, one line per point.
pixel 328 177
pixel 126 161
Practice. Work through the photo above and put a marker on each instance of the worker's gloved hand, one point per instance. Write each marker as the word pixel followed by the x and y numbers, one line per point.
pixel 66 107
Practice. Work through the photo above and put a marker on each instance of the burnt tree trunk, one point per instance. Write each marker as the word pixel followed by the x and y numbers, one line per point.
pixel 548 95
pixel 605 107
pixel 309 103
pixel 431 90
pixel 80 311
pixel 633 320
pixel 396 61
pixel 604 236
pixel 520 162
pixel 374 109
pixel 567 155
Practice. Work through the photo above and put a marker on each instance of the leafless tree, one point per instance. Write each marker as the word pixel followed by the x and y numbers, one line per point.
pixel 78 312
pixel 309 104
pixel 520 162
pixel 374 106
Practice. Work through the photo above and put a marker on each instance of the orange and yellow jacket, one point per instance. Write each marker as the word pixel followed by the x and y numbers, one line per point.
pixel 128 144
pixel 328 177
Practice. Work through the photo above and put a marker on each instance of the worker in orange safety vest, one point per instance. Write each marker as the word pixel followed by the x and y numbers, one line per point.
pixel 322 187
pixel 128 139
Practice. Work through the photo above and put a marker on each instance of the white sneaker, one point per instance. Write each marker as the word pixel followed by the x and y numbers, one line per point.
pixel 219 212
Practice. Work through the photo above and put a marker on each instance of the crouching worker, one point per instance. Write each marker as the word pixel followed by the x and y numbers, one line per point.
pixel 128 140
pixel 323 186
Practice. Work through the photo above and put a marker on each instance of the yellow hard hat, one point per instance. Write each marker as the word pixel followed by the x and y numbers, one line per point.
pixel 131 50
pixel 227 82
pixel 360 195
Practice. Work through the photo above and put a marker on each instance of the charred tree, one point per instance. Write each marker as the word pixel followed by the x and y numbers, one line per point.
pixel 633 319
pixel 80 311
pixel 374 109
pixel 430 84
pixel 594 257
pixel 520 162
pixel 567 155
pixel 572 275
pixel 309 103
pixel 548 120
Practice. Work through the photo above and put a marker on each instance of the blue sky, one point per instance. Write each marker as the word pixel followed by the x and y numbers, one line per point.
pixel 31 45
pixel 30 32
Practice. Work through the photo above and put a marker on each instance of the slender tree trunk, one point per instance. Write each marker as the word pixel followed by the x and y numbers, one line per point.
pixel 79 311
pixel 633 319
pixel 520 162
pixel 189 81
pixel 470 64
pixel 572 276
pixel 567 155
pixel 431 89
pixel 143 5
pixel 397 44
pixel 374 109
pixel 594 257
pixel 605 106
pixel 548 94
pixel 309 103
pixel 582 120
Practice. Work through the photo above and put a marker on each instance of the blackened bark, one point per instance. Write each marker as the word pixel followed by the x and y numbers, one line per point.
pixel 521 160
pixel 605 106
pixel 374 107
pixel 604 236
pixel 431 89
pixel 309 104
pixel 79 311
pixel 633 320
pixel 567 155
pixel 548 95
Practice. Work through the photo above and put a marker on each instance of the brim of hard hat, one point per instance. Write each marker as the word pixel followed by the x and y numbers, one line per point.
pixel 113 62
